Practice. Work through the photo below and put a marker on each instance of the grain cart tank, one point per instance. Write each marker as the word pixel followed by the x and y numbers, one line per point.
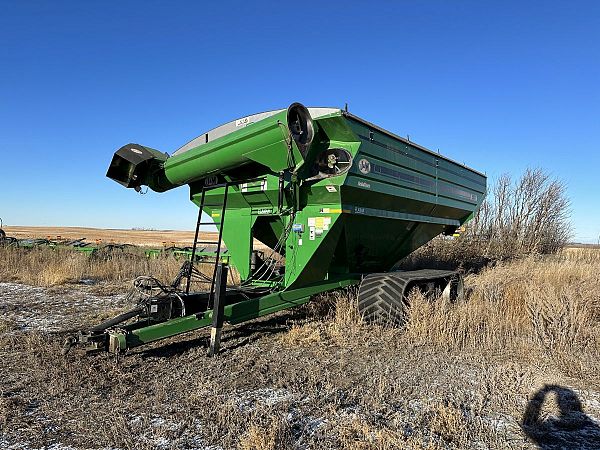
pixel 334 200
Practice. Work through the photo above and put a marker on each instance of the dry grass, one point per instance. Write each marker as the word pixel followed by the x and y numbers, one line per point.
pixel 47 267
pixel 340 320
pixel 44 266
pixel 459 375
pixel 272 434
pixel 585 254
pixel 535 307
pixel 550 304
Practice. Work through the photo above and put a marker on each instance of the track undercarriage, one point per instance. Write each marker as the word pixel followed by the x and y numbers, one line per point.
pixel 384 297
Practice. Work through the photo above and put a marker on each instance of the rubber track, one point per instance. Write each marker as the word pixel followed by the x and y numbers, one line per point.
pixel 382 296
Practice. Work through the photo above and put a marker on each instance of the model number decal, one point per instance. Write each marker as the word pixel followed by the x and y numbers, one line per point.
pixel 242 122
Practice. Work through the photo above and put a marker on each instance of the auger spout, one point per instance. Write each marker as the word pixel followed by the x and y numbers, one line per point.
pixel 271 144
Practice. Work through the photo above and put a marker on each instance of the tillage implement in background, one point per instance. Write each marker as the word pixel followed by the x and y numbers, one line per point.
pixel 100 250
pixel 335 199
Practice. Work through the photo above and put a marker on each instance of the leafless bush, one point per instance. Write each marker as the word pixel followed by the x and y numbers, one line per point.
pixel 526 216
pixel 523 217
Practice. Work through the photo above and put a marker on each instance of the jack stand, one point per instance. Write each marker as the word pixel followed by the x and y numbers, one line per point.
pixel 218 309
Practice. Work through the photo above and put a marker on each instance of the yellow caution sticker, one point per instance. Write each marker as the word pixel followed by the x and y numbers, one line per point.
pixel 330 211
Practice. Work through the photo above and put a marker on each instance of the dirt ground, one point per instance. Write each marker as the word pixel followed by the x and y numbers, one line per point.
pixel 136 237
pixel 302 379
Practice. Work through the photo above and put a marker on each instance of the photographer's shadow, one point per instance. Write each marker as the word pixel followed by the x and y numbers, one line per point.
pixel 571 429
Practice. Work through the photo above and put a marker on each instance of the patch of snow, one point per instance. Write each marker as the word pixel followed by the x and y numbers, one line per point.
pixel 267 396
pixel 42 309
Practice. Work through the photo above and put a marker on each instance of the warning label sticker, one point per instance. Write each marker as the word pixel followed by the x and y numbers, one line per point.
pixel 317 225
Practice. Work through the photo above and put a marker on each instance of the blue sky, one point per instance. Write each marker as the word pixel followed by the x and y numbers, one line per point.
pixel 501 86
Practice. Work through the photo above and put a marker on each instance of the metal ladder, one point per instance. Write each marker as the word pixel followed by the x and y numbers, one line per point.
pixel 221 223
pixel 219 241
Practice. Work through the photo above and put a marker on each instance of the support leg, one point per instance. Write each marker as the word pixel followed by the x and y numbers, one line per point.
pixel 218 309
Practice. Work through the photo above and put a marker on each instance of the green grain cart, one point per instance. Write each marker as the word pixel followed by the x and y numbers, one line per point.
pixel 306 200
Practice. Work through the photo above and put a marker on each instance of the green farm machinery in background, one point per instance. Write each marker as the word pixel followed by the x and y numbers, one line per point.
pixel 100 250
pixel 335 200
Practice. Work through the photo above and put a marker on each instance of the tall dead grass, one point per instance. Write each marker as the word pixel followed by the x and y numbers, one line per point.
pixel 525 216
pixel 48 267
pixel 535 306
pixel 341 320
pixel 539 306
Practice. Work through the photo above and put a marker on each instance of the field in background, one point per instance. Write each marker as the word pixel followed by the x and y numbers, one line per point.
pixel 154 238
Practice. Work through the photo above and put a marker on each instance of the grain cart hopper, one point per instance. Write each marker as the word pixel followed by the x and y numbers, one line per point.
pixel 335 199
